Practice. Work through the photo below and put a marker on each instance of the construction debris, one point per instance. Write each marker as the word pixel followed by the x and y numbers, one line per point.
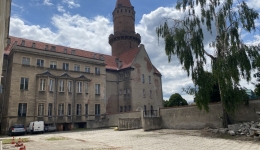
pixel 250 129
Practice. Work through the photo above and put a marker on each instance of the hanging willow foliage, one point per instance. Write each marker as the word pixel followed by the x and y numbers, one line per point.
pixel 232 59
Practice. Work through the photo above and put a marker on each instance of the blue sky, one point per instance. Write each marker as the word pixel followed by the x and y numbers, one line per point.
pixel 86 24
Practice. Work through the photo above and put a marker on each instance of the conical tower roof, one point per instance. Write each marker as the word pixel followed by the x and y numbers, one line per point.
pixel 125 3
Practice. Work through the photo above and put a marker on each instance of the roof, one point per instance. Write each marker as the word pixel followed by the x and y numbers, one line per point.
pixel 126 58
pixel 125 3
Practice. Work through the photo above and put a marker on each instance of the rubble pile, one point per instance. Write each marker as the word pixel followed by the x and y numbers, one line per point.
pixel 251 129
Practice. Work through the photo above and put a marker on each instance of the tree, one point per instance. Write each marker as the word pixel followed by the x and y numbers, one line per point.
pixel 231 60
pixel 165 103
pixel 176 100
pixel 257 89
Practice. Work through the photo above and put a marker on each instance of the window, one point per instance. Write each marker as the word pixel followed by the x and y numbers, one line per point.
pixel 69 86
pixel 128 91
pixel 76 67
pixel 124 91
pixel 61 87
pixel 86 109
pixel 151 109
pixel 65 50
pixel 125 108
pixel 145 109
pixel 97 109
pixel 33 45
pixel 97 70
pixel 87 69
pixel 24 83
pixel 65 66
pixel 129 108
pixel 26 61
pixel 23 43
pixel 121 108
pixel 97 88
pixel 143 92
pixel 51 85
pixel 86 87
pixel 149 79
pixel 22 107
pixel 79 86
pixel 143 78
pixel 50 110
pixel 42 84
pixel 40 109
pixel 120 92
pixel 150 93
pixel 69 109
pixel 73 52
pixel 53 64
pixel 61 109
pixel 78 113
pixel 40 63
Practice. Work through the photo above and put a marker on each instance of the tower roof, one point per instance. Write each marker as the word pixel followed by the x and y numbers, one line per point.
pixel 125 3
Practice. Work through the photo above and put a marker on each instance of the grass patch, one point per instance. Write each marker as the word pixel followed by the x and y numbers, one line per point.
pixel 9 141
pixel 57 138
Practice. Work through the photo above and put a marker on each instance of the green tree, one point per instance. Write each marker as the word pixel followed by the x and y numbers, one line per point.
pixel 231 60
pixel 165 103
pixel 176 100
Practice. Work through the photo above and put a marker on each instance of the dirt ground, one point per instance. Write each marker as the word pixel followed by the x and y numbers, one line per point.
pixel 207 133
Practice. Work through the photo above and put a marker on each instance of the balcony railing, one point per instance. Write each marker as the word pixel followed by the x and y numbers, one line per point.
pixel 150 113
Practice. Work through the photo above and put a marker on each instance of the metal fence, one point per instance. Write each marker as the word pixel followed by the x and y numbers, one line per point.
pixel 150 113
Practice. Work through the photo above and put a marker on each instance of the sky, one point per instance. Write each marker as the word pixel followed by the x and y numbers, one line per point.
pixel 86 25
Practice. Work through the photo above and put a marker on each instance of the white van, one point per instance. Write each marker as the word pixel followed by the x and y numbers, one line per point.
pixel 35 126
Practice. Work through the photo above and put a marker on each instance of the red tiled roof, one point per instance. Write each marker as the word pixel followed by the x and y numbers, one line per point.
pixel 127 57
pixel 125 3
pixel 60 49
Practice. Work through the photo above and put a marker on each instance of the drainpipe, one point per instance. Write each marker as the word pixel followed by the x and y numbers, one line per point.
pixel 73 101
pixel 55 99
pixel 4 92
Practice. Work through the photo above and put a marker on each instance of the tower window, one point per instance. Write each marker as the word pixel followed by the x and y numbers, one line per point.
pixel 125 10
pixel 121 10
pixel 117 11
pixel 129 11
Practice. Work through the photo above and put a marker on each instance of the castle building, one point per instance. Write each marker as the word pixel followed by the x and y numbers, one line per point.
pixel 71 87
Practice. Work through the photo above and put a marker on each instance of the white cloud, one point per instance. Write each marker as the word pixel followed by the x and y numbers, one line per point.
pixel 71 3
pixel 60 8
pixel 92 34
pixel 47 2
pixel 254 4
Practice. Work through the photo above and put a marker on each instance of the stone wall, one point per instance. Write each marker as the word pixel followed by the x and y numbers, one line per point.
pixel 113 118
pixel 93 124
pixel 152 123
pixel 129 123
pixel 190 117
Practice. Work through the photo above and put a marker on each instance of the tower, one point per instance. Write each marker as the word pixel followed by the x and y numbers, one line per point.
pixel 124 37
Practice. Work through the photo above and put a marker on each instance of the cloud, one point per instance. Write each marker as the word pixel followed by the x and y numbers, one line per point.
pixel 254 4
pixel 77 31
pixel 47 2
pixel 72 31
pixel 60 8
pixel 71 3
pixel 18 6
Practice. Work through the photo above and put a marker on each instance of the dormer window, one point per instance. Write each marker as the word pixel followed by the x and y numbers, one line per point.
pixel 94 55
pixel 73 52
pixel 23 43
pixel 65 50
pixel 53 48
pixel 46 47
pixel 33 45
pixel 101 57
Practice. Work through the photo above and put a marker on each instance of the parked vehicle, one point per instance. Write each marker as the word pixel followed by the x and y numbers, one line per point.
pixel 16 129
pixel 50 128
pixel 35 126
